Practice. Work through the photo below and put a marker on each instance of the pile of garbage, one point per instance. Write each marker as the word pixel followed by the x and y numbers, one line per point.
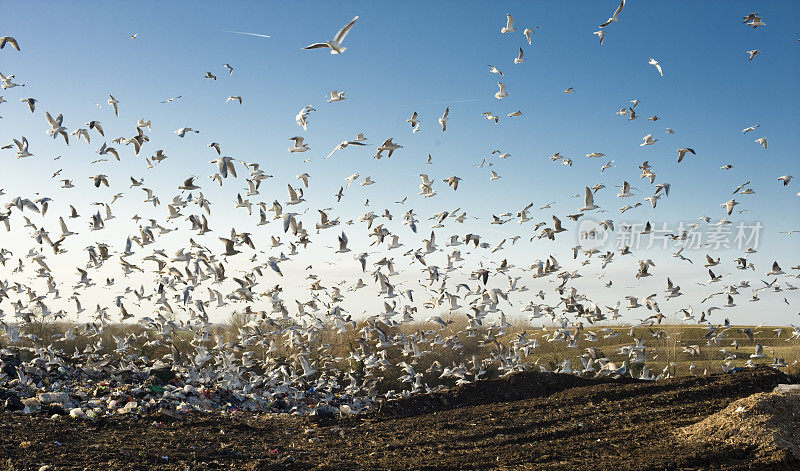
pixel 86 389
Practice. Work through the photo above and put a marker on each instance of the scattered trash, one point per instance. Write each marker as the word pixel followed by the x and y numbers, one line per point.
pixel 89 387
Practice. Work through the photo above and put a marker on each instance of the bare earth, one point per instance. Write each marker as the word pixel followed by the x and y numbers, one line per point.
pixel 528 420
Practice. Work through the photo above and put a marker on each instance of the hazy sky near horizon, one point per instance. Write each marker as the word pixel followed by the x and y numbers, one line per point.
pixel 423 57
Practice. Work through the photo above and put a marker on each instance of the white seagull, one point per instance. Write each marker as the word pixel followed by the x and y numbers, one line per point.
pixel 655 64
pixel 336 95
pixel 528 32
pixel 614 17
pixel 502 93
pixel 602 35
pixel 509 27
pixel 443 119
pixel 299 146
pixel 753 53
pixel 182 131
pixel 336 44
pixel 648 140
pixel 520 57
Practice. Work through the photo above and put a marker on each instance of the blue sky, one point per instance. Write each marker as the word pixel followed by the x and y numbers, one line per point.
pixel 422 56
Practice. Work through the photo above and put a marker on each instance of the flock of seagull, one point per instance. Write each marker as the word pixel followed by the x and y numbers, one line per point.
pixel 179 292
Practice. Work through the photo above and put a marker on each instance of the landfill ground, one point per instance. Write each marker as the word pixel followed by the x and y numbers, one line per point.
pixel 527 420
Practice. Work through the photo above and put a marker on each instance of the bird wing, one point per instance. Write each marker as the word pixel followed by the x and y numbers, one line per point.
pixel 292 193
pixel 9 40
pixel 230 167
pixel 343 32
pixel 222 167
pixel 333 151
pixel 588 199
pixel 615 16
pixel 618 10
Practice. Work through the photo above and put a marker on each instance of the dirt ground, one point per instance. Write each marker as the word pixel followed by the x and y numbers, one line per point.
pixel 528 420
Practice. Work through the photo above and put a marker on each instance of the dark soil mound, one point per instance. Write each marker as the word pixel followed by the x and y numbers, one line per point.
pixel 541 421
pixel 513 387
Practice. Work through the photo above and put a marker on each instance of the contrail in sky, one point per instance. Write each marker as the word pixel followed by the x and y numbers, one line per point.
pixel 250 34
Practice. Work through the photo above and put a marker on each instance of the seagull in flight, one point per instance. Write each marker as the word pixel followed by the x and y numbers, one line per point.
pixel 750 128
pixel 509 27
pixel 602 35
pixel 115 103
pixel 588 202
pixel 648 140
pixel 502 93
pixel 682 153
pixel 341 145
pixel 10 41
pixel 495 70
pixel 299 146
pixel 415 122
pixel 302 116
pixel 655 64
pixel 336 44
pixel 336 95
pixel 443 119
pixel 31 102
pixel 528 32
pixel 182 131
pixel 615 16
pixel 520 57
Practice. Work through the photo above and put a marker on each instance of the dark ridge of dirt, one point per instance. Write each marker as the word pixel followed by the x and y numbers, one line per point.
pixel 597 425
pixel 514 387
